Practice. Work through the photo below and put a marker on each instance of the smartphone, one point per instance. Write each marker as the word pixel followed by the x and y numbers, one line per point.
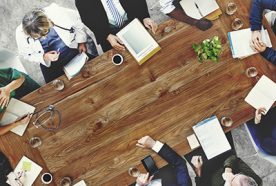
pixel 149 165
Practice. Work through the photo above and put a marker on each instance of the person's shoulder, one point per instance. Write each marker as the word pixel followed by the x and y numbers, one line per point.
pixel 19 31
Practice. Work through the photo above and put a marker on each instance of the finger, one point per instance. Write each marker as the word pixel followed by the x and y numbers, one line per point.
pixel 150 178
pixel 139 145
pixel 2 103
pixel 119 47
pixel 154 28
pixel 200 159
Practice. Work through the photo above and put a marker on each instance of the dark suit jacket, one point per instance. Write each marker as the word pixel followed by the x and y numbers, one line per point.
pixel 176 172
pixel 94 16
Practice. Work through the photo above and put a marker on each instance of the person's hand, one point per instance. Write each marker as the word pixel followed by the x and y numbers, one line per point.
pixel 228 176
pixel 115 42
pixel 51 56
pixel 146 142
pixel 258 114
pixel 150 24
pixel 144 179
pixel 4 97
pixel 82 47
pixel 23 120
pixel 203 24
pixel 259 47
pixel 256 37
pixel 197 163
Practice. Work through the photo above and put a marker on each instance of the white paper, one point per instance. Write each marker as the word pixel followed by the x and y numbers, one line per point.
pixel 240 42
pixel 15 110
pixel 193 141
pixel 80 183
pixel 31 175
pixel 205 7
pixel 211 137
pixel 75 65
pixel 263 94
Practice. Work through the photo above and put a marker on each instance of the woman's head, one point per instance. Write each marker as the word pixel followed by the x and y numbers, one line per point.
pixel 36 24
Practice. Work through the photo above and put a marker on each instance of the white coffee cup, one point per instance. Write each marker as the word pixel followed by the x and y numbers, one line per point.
pixel 46 178
pixel 117 59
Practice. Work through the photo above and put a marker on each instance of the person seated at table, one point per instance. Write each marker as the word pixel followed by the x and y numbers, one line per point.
pixel 6 128
pixel 256 15
pixel 168 154
pixel 52 37
pixel 267 129
pixel 173 9
pixel 14 83
pixel 233 172
pixel 106 17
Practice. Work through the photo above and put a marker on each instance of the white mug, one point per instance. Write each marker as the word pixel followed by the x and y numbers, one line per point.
pixel 46 178
pixel 117 59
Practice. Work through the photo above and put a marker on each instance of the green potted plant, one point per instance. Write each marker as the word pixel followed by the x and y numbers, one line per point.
pixel 208 49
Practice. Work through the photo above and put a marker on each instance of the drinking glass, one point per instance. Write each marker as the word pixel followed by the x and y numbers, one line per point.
pixel 134 172
pixel 35 142
pixel 58 84
pixel 226 121
pixel 231 8
pixel 66 181
pixel 251 72
pixel 237 24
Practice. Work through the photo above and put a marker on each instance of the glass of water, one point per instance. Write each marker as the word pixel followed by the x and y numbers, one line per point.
pixel 237 24
pixel 35 142
pixel 251 72
pixel 226 121
pixel 58 84
pixel 134 172
pixel 231 8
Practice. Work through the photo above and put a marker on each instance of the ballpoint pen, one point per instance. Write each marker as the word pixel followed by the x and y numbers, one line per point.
pixel 199 10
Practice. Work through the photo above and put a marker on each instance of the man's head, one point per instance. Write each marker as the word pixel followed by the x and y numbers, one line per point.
pixel 36 24
pixel 238 180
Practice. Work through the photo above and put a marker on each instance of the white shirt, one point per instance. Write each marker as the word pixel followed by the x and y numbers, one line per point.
pixel 166 6
pixel 156 148
pixel 120 9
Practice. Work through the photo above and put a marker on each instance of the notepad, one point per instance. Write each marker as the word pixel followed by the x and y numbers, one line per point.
pixel 72 68
pixel 15 110
pixel 138 41
pixel 198 9
pixel 211 137
pixel 263 94
pixel 240 42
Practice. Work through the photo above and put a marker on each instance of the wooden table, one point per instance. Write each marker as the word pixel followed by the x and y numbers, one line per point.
pixel 107 108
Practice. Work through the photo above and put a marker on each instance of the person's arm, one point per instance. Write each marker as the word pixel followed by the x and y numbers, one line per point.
pixel 270 55
pixel 6 91
pixel 8 127
pixel 256 13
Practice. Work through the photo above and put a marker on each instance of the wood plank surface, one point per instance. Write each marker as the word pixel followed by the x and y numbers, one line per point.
pixel 107 108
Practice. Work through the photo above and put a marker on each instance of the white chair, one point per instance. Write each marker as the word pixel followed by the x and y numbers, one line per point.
pixel 252 132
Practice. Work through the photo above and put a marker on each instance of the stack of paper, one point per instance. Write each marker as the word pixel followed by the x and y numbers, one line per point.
pixel 72 68
pixel 15 110
pixel 211 137
pixel 240 42
pixel 198 9
pixel 263 94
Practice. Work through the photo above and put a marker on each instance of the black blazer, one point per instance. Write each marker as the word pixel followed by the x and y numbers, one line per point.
pixel 94 16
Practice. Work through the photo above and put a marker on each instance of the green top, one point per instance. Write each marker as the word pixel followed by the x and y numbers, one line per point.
pixel 7 75
pixel 237 166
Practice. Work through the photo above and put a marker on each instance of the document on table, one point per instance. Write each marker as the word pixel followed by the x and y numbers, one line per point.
pixel 240 42
pixel 263 94
pixel 80 183
pixel 15 110
pixel 72 68
pixel 198 9
pixel 211 137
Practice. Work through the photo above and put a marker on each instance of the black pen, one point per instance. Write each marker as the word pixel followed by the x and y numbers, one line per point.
pixel 198 10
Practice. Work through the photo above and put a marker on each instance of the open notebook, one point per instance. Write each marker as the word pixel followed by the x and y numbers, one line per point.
pixel 15 110
pixel 198 9
pixel 72 68
pixel 240 42
pixel 263 94
pixel 138 41
pixel 211 137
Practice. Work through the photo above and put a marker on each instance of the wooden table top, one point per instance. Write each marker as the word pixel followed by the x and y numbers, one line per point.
pixel 107 108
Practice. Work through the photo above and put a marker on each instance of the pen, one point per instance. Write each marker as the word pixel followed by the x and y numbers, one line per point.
pixel 199 10
pixel 58 49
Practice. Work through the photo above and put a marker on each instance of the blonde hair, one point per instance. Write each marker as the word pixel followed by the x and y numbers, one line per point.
pixel 36 24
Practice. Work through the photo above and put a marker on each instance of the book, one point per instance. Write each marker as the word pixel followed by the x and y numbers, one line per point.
pixel 15 110
pixel 32 170
pixel 72 68
pixel 263 94
pixel 198 9
pixel 138 41
pixel 211 137
pixel 240 42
